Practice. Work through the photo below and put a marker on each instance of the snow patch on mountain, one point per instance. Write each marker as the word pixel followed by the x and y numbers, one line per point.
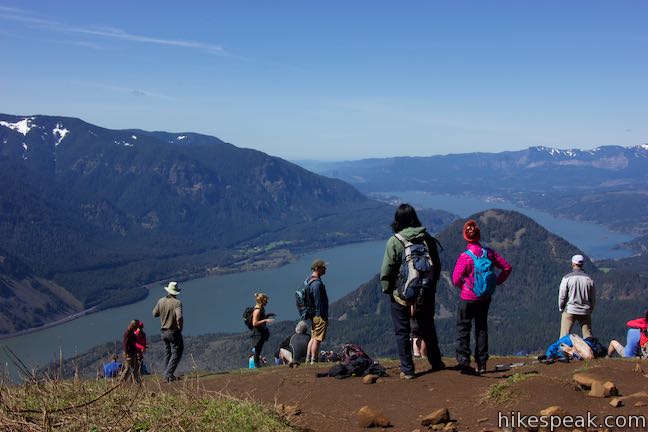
pixel 181 137
pixel 557 152
pixel 23 126
pixel 61 132
pixel 134 137
pixel 124 143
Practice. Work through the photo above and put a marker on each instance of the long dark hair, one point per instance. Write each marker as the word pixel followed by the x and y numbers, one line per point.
pixel 405 217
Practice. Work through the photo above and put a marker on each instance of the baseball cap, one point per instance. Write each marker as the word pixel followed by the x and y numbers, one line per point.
pixel 578 259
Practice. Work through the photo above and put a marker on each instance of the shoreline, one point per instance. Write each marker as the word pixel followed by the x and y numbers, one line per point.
pixel 51 324
pixel 275 259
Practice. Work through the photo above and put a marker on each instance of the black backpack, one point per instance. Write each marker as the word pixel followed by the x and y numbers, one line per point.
pixel 355 359
pixel 247 316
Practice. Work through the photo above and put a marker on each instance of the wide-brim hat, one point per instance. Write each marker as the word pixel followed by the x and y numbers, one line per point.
pixel 172 288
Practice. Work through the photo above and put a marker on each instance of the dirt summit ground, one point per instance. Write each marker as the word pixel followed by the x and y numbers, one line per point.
pixel 490 402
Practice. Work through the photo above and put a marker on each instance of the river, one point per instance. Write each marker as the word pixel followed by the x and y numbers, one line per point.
pixel 215 303
pixel 210 304
pixel 595 240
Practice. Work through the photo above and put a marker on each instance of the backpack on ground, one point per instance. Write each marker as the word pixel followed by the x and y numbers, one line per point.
pixel 247 316
pixel 484 276
pixel 355 359
pixel 304 299
pixel 416 271
pixel 598 349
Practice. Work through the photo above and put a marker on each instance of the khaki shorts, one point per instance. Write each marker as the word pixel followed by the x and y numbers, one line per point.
pixel 319 328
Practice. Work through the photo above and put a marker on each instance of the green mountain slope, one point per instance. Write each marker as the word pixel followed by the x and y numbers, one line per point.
pixel 523 317
pixel 104 212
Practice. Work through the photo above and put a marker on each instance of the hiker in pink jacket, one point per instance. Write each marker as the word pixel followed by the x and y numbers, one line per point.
pixel 474 307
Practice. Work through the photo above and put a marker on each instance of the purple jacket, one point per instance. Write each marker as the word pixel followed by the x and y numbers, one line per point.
pixel 462 276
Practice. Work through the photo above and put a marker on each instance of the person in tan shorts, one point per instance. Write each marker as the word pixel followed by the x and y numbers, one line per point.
pixel 321 306
pixel 576 299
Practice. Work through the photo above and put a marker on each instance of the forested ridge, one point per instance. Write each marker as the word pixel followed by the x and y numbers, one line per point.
pixel 524 313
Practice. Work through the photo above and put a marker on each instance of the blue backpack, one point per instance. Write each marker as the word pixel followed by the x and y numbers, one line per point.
pixel 304 299
pixel 483 274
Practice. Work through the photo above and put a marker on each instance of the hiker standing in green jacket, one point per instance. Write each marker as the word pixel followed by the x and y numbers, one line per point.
pixel 407 225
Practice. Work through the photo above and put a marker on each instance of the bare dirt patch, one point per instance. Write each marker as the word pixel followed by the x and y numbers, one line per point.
pixel 329 404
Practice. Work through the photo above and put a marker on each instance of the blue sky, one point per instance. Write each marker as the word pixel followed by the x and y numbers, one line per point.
pixel 338 80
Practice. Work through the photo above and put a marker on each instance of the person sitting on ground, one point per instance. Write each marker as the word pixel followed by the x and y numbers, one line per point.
pixel 294 352
pixel 111 370
pixel 636 340
pixel 132 364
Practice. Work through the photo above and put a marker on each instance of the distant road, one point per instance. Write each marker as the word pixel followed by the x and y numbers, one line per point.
pixel 52 324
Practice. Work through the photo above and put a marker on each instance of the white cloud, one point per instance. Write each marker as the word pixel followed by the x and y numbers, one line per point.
pixel 25 17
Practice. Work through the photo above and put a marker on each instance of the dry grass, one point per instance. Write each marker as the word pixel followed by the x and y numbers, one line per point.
pixel 107 405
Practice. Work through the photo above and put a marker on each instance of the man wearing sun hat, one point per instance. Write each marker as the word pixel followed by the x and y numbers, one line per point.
pixel 169 309
pixel 576 299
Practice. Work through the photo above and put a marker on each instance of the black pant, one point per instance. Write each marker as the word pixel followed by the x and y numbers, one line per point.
pixel 468 311
pixel 173 347
pixel 427 331
pixel 262 334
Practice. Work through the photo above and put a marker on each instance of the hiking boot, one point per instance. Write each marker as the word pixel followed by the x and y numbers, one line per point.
pixel 172 378
pixel 481 368
pixel 438 366
pixel 405 376
pixel 466 369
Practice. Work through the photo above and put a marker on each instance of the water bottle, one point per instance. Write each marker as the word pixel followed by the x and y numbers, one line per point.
pixel 251 364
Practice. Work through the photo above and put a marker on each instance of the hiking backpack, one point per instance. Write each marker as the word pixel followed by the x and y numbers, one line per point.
pixel 416 271
pixel 483 274
pixel 355 359
pixel 247 316
pixel 304 299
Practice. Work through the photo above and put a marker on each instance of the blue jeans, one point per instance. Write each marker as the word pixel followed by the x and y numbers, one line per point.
pixel 631 348
pixel 173 347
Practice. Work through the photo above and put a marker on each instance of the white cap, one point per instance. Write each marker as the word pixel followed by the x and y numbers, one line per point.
pixel 578 259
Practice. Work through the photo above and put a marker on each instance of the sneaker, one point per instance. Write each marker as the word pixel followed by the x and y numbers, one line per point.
pixel 312 362
pixel 405 376
pixel 481 368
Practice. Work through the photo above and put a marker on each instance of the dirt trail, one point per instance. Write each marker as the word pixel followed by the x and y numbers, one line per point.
pixel 329 404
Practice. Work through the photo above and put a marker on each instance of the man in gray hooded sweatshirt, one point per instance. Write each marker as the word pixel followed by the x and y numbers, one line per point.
pixel 576 299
